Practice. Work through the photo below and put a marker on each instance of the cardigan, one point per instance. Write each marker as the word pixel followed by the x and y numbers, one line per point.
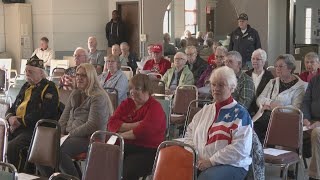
pixel 186 77
pixel 311 101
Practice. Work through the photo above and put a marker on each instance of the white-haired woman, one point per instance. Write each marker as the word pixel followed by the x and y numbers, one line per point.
pixel 222 132
pixel 113 77
pixel 286 89
pixel 86 111
pixel 312 65
pixel 259 75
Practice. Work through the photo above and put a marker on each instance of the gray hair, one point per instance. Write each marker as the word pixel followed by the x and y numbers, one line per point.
pixel 226 73
pixel 193 48
pixel 124 44
pixel 84 50
pixel 236 55
pixel 312 55
pixel 262 54
pixel 185 57
pixel 116 59
pixel 289 60
pixel 223 49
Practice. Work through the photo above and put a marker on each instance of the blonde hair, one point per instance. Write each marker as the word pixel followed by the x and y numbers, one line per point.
pixel 94 88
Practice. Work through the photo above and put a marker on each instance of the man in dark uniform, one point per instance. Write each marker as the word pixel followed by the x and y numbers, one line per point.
pixel 37 99
pixel 245 40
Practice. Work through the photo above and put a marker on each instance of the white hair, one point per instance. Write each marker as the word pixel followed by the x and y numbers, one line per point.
pixel 226 73
pixel 184 56
pixel 222 49
pixel 237 56
pixel 262 54
pixel 84 50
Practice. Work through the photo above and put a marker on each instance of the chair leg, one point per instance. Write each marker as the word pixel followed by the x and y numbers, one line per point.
pixel 305 163
pixel 77 164
pixel 285 172
pixel 297 170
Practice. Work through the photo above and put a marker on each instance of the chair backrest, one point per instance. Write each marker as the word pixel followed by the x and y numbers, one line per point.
pixel 127 70
pixel 13 91
pixel 285 128
pixel 71 60
pixel 158 86
pixel 61 176
pixel 166 103
pixel 4 106
pixel 5 64
pixel 11 174
pixel 58 72
pixel 104 160
pixel 55 63
pixel 45 145
pixel 272 69
pixel 183 96
pixel 153 75
pixel 4 133
pixel 113 95
pixel 64 95
pixel 174 162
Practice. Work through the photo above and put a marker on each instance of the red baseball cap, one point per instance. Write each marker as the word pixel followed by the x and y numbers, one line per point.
pixel 156 48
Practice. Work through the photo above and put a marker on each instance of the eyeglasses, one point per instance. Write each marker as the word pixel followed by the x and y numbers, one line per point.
pixel 77 56
pixel 110 62
pixel 219 57
pixel 190 55
pixel 257 59
pixel 280 66
pixel 179 59
pixel 78 75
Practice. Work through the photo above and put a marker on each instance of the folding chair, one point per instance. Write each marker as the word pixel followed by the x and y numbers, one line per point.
pixel 104 159
pixel 61 176
pixel 285 130
pixel 272 69
pixel 11 174
pixel 166 103
pixel 158 86
pixel 113 95
pixel 44 148
pixel 153 75
pixel 4 106
pixel 174 162
pixel 58 72
pixel 13 91
pixel 127 70
pixel 4 133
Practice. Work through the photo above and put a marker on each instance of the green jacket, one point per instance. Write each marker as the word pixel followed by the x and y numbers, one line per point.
pixel 186 77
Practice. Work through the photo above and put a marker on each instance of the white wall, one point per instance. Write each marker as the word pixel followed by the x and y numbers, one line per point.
pixel 2 39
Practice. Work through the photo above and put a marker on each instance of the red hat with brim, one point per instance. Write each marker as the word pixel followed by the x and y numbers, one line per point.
pixel 156 48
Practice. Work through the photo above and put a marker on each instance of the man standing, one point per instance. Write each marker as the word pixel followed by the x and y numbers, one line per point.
pixel 37 99
pixel 168 49
pixel 96 58
pixel 44 52
pixel 245 40
pixel 115 30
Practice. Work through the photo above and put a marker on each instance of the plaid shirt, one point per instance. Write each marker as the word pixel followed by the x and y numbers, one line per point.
pixel 67 81
pixel 244 93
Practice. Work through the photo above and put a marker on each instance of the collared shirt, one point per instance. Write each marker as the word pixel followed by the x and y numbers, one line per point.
pixel 244 93
pixel 257 79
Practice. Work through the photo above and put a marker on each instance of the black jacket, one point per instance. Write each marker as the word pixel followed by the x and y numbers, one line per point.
pixel 245 43
pixel 116 33
pixel 266 77
pixel 198 68
pixel 43 104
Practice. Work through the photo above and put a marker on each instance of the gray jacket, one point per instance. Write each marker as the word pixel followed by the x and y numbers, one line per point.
pixel 81 120
pixel 119 81
pixel 311 100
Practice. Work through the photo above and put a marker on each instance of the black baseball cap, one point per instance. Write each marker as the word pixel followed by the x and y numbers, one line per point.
pixel 243 16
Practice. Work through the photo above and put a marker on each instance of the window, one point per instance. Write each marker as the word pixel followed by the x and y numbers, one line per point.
pixel 167 20
pixel 190 7
pixel 308 26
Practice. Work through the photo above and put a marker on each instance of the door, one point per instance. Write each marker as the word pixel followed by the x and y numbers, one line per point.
pixel 129 12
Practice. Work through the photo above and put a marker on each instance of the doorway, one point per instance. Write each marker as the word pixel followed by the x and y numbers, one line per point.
pixel 129 12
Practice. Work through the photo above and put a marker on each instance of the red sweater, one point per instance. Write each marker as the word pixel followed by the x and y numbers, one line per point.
pixel 161 67
pixel 150 133
pixel 211 59
pixel 304 75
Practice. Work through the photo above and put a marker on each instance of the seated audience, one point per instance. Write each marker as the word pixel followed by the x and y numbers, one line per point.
pixel 212 56
pixel 113 77
pixel 157 64
pixel 115 50
pixel 222 132
pixel 96 58
pixel 209 35
pixel 311 115
pixel 195 63
pixel 168 49
pixel 87 111
pixel 218 62
pixel 191 41
pixel 179 74
pixel 207 51
pixel 183 44
pixel 67 81
pixel 38 99
pixel 259 75
pixel 312 65
pixel 200 38
pixel 286 89
pixel 128 58
pixel 148 57
pixel 141 121
pixel 45 53
pixel 244 93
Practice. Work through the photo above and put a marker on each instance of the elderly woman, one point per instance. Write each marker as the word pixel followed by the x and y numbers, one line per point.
pixel 113 77
pixel 179 74
pixel 141 121
pixel 286 89
pixel 222 132
pixel 312 65
pixel 259 75
pixel 87 111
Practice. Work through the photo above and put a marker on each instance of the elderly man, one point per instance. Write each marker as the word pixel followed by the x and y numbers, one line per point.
pixel 128 58
pixel 67 81
pixel 37 99
pixel 195 63
pixel 115 50
pixel 96 57
pixel 312 65
pixel 157 64
pixel 311 114
pixel 44 52
pixel 179 74
pixel 245 40
pixel 244 92
pixel 168 49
